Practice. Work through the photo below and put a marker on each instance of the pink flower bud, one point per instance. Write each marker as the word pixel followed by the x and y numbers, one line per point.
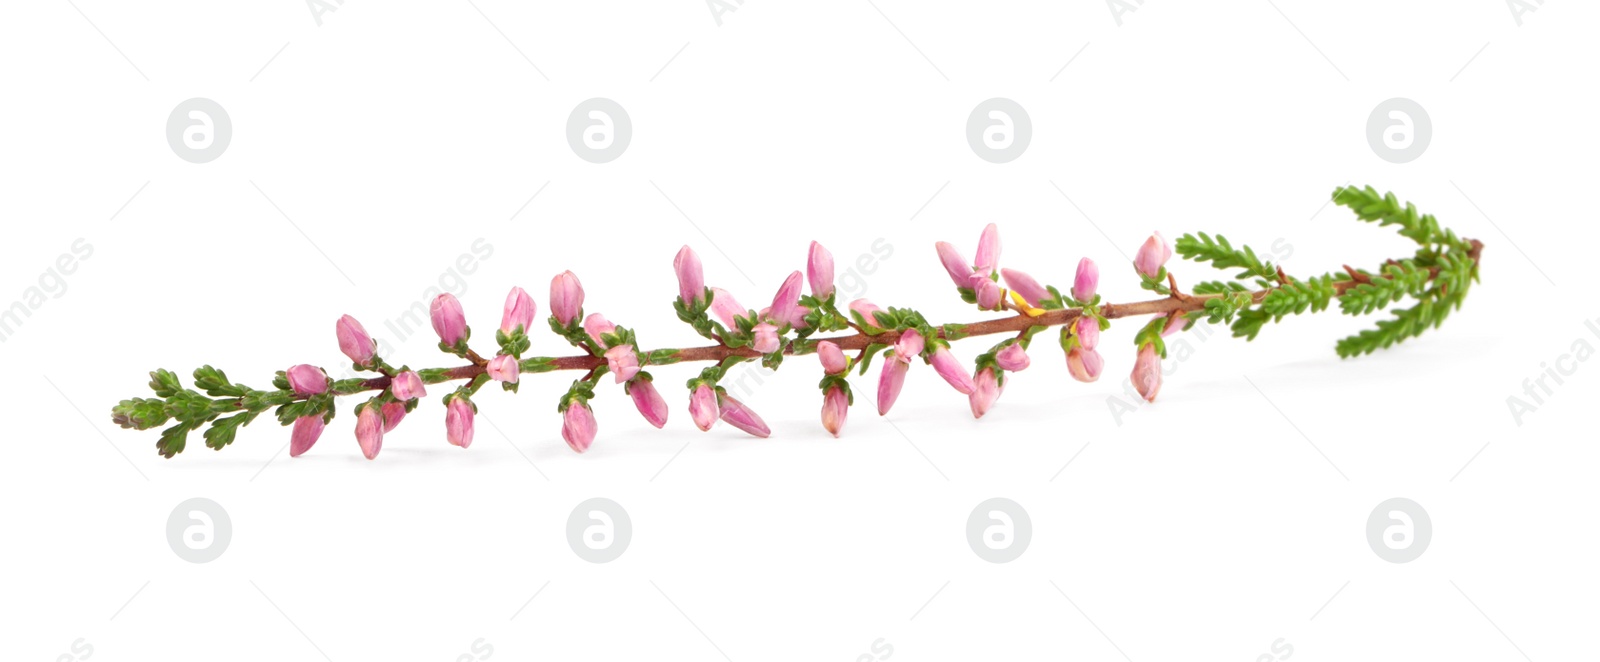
pixel 691 277
pixel 354 341
pixel 578 426
pixel 867 310
pixel 519 311
pixel 458 415
pixel 985 391
pixel 407 386
pixel 988 258
pixel 909 345
pixel 740 416
pixel 988 292
pixel 1085 364
pixel 306 431
pixel 1153 254
pixel 833 359
pixel 1088 331
pixel 954 263
pixel 504 368
pixel 835 408
pixel 819 271
pixel 725 307
pixel 648 401
pixel 597 325
pixel 566 297
pixel 1025 285
pixel 623 361
pixel 1088 280
pixel 786 304
pixel 764 338
pixel 703 407
pixel 369 431
pixel 448 320
pixel 307 380
pixel 950 368
pixel 890 381
pixel 1012 357
pixel 1175 324
pixel 393 413
pixel 1147 372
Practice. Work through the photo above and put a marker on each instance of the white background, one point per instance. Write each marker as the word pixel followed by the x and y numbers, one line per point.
pixel 1228 515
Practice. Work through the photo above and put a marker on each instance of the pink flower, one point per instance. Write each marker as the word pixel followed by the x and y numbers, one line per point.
pixel 703 407
pixel 648 401
pixel 307 380
pixel 578 426
pixel 786 304
pixel 1025 285
pixel 988 258
pixel 566 297
pixel 458 417
pixel 369 431
pixel 1153 254
pixel 306 431
pixel 987 290
pixel 1088 331
pixel 909 345
pixel 740 416
pixel 1084 364
pixel 623 361
pixel 765 338
pixel 954 263
pixel 725 307
pixel 819 271
pixel 835 408
pixel 833 359
pixel 1147 372
pixel 1175 324
pixel 1088 280
pixel 354 341
pixel 1012 357
pixel 985 391
pixel 691 277
pixel 597 325
pixel 407 386
pixel 890 381
pixel 504 368
pixel 868 311
pixel 950 368
pixel 519 311
pixel 393 413
pixel 448 320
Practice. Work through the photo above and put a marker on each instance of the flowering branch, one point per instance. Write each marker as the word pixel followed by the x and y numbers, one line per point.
pixel 1438 277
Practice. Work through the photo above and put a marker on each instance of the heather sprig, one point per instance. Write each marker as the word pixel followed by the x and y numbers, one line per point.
pixel 1256 292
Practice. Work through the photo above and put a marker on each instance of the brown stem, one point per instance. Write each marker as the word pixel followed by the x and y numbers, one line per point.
pixel 860 340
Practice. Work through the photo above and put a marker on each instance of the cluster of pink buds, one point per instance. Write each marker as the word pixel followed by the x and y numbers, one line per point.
pixel 976 280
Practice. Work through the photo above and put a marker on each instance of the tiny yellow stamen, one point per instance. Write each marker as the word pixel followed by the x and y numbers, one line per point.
pixel 1025 306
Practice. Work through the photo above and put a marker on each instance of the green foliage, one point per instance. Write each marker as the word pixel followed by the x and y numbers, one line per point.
pixel 1397 281
pixel 1222 255
pixel 1387 210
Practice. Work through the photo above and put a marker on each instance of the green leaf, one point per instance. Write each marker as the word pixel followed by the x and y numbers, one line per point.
pixel 1222 255
pixel 164 383
pixel 173 440
pixel 140 413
